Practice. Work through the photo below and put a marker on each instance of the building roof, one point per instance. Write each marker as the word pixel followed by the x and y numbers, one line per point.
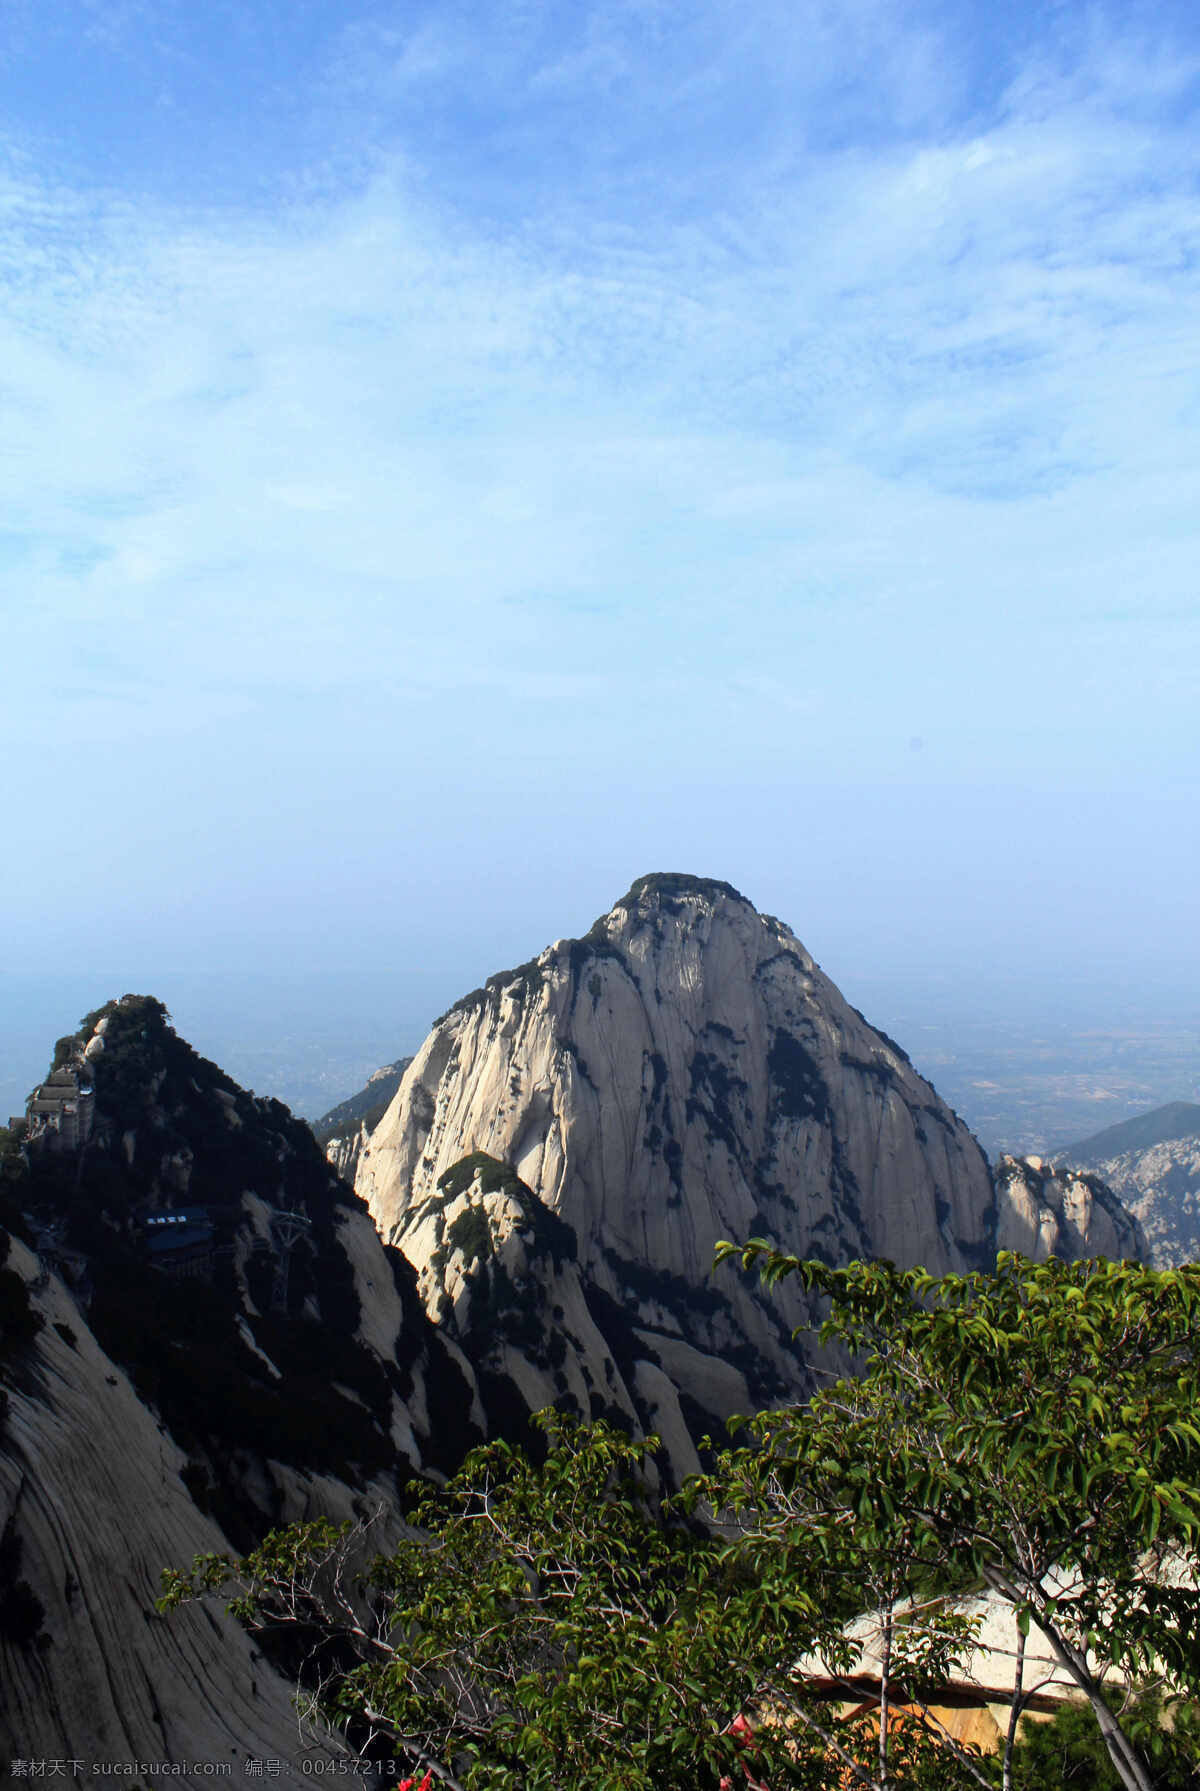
pixel 985 1670
pixel 170 1230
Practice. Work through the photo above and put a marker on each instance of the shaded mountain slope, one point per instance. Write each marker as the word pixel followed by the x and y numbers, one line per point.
pixel 94 1501
pixel 230 1269
pixel 202 1336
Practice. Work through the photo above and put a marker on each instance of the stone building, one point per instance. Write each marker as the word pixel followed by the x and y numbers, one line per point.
pixel 62 1109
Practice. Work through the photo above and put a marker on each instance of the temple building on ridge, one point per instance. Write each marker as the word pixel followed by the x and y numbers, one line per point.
pixel 61 1110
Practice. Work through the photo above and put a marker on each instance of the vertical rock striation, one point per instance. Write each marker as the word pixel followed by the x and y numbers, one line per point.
pixel 686 1073
pixel 1055 1211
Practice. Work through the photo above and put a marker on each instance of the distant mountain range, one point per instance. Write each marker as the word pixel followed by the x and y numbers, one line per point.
pixel 1152 1162
pixel 1177 1121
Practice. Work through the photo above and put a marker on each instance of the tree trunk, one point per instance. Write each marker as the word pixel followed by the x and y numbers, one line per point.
pixel 885 1667
pixel 1127 1762
pixel 1014 1713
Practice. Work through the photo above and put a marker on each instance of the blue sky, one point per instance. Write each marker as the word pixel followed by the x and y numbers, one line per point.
pixel 458 458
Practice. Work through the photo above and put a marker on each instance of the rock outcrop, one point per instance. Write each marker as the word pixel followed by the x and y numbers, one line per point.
pixel 684 1073
pixel 344 1149
pixel 92 1507
pixel 1046 1210
pixel 343 1132
pixel 1152 1164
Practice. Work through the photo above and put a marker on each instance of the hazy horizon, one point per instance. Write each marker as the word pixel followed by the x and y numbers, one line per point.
pixel 460 458
pixel 311 1037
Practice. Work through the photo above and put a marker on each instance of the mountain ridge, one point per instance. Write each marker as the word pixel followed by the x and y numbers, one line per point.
pixel 1152 1163
pixel 681 1073
pixel 206 1314
pixel 1168 1124
pixel 365 1107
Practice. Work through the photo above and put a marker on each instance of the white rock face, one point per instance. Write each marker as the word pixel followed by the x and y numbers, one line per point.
pixel 345 1129
pixel 1160 1185
pixel 1163 1190
pixel 91 1498
pixel 344 1151
pixel 685 1073
pixel 499 1273
pixel 1047 1211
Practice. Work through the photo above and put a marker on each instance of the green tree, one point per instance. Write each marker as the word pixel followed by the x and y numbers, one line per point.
pixel 540 1628
pixel 1032 1431
pixel 547 1625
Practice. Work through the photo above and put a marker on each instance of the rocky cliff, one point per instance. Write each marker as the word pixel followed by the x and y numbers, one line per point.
pixel 684 1073
pixel 1152 1163
pixel 1046 1210
pixel 344 1148
pixel 344 1130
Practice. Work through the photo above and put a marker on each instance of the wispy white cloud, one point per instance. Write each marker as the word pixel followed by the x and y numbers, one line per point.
pixel 843 434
